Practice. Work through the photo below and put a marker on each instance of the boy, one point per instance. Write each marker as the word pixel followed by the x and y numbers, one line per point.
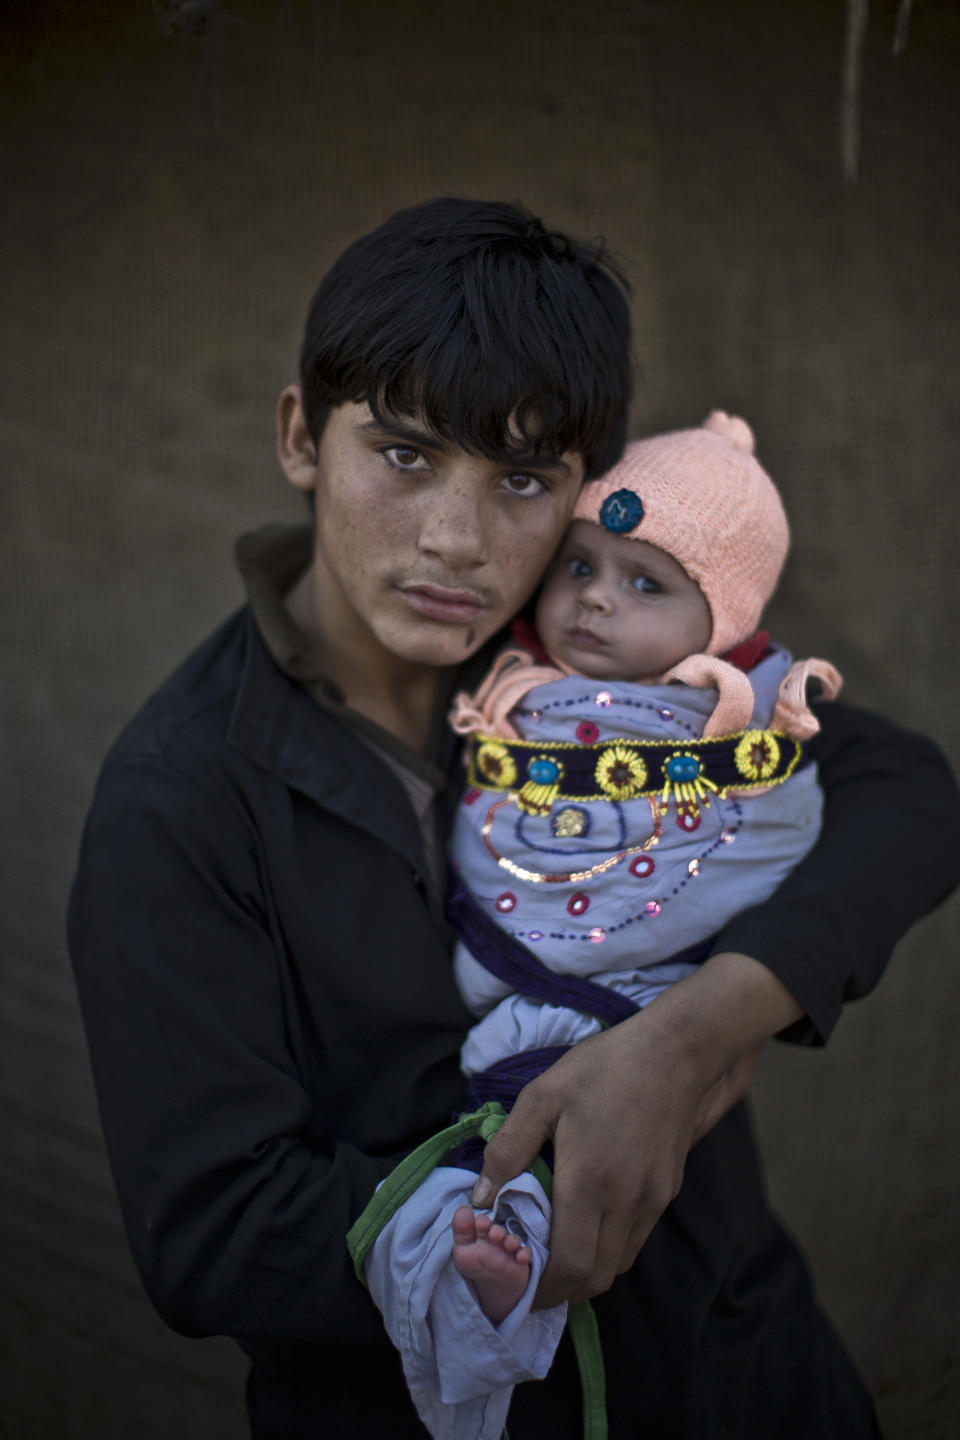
pixel 257 924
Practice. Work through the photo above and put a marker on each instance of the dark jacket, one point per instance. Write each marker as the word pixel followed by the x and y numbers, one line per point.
pixel 272 1020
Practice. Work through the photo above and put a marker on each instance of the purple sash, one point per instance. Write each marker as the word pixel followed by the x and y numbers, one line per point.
pixel 517 966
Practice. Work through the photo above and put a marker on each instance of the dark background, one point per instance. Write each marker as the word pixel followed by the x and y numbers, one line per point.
pixel 173 198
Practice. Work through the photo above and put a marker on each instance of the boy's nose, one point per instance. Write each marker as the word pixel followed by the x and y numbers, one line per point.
pixel 455 528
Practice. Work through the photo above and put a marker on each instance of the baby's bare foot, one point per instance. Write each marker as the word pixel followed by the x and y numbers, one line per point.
pixel 495 1262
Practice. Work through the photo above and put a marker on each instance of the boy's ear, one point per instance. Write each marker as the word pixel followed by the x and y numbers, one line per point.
pixel 295 449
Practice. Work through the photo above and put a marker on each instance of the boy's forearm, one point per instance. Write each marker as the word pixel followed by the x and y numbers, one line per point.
pixel 727 1007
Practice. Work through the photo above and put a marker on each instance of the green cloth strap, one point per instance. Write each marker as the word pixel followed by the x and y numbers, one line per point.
pixel 400 1184
pixel 409 1175
pixel 582 1323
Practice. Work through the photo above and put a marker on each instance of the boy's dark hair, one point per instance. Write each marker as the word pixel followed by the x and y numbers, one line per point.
pixel 474 315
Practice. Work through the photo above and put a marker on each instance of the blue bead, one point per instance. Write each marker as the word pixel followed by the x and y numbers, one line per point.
pixel 621 511
pixel 682 768
pixel 542 772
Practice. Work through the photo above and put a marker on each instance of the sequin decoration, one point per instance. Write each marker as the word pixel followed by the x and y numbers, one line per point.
pixel 587 732
pixel 505 903
pixel 603 699
pixel 688 820
pixel 496 764
pixel 570 822
pixel 620 773
pixel 642 867
pixel 652 908
pixel 728 836
pixel 578 904
pixel 621 511
pixel 665 713
pixel 694 867
pixel 536 716
pixel 472 795
pixel 757 755
pixel 534 935
pixel 597 935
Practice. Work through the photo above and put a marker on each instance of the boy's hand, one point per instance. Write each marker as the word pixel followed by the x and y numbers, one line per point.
pixel 623 1108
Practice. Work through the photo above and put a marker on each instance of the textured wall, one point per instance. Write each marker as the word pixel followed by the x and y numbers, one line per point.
pixel 175 199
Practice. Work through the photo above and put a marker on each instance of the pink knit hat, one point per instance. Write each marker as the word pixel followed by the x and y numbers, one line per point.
pixel 703 497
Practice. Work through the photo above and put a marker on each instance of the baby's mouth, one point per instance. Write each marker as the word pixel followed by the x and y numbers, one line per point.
pixel 585 639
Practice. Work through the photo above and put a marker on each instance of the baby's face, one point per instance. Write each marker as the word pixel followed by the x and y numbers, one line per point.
pixel 613 608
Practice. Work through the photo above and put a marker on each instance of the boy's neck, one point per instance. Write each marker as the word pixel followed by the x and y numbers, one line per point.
pixel 397 694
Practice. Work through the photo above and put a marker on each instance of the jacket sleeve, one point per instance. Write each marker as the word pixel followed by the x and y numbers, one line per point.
pixel 236 1220
pixel 889 852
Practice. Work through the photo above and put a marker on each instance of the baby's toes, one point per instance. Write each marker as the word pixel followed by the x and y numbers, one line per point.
pixel 464 1225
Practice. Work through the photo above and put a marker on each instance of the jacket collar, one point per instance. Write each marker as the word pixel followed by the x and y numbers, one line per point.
pixel 278 726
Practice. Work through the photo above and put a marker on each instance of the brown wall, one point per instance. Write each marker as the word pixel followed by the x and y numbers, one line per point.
pixel 175 199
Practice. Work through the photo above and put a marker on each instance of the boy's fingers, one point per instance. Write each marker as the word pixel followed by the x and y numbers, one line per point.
pixel 510 1151
pixel 574 1238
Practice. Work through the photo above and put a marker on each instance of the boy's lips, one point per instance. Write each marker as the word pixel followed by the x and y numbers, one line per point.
pixel 443 602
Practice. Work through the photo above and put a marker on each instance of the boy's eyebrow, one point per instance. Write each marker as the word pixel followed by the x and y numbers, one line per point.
pixel 427 440
pixel 400 430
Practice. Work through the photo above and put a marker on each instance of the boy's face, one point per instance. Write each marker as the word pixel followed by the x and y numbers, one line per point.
pixel 614 608
pixel 424 551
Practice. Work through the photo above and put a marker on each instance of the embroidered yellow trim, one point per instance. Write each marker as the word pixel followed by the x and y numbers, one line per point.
pixel 496 764
pixel 620 773
pixel 758 755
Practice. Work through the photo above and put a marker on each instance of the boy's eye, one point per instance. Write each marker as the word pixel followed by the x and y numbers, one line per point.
pixel 647 586
pixel 520 483
pixel 578 568
pixel 405 457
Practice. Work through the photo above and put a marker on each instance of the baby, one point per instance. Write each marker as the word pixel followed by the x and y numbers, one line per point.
pixel 636 777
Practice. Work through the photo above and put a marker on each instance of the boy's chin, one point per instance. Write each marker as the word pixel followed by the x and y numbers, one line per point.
pixel 439 645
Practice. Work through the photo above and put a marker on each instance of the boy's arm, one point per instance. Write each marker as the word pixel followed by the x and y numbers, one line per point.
pixel 236 1219
pixel 889 851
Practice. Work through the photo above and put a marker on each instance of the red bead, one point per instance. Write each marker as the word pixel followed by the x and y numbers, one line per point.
pixel 587 732
pixel 642 866
pixel 505 903
pixel 689 820
pixel 472 796
pixel 579 903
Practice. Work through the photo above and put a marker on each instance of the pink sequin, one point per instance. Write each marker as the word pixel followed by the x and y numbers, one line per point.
pixel 694 867
pixel 603 698
pixel 728 836
pixel 597 935
pixel 652 908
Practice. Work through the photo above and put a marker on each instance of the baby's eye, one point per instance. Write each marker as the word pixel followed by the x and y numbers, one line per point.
pixel 578 568
pixel 645 585
pixel 405 457
pixel 520 483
